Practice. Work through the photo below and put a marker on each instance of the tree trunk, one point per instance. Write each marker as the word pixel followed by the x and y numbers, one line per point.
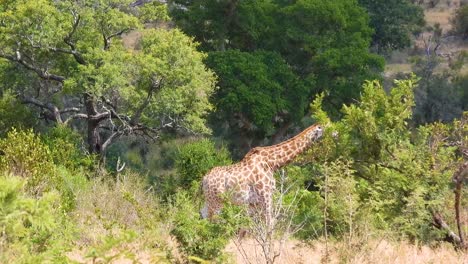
pixel 94 139
pixel 459 178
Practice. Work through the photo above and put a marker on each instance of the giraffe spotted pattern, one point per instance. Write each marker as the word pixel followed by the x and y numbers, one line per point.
pixel 251 180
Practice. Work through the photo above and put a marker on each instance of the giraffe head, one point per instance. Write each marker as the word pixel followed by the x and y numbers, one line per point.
pixel 315 132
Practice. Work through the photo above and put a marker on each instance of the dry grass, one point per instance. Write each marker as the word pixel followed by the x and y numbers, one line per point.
pixel 441 17
pixel 393 68
pixel 119 222
pixel 375 251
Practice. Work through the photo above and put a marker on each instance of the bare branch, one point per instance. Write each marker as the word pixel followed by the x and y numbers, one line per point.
pixel 110 139
pixel 69 109
pixel 441 224
pixel 75 116
pixel 118 167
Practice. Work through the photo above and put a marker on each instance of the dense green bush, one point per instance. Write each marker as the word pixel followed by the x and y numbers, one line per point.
pixel 31 230
pixel 378 171
pixel 13 113
pixel 67 148
pixel 196 158
pixel 24 154
pixel 200 237
pixel 52 163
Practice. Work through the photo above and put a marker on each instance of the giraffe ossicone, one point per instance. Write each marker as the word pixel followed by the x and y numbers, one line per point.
pixel 251 181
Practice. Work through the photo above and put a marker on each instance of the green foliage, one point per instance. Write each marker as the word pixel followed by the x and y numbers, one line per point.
pixel 13 114
pixel 340 197
pixel 105 251
pixel 172 57
pixel 256 88
pixel 307 213
pixel 440 96
pixel 438 99
pixel 393 21
pixel 25 155
pixel 200 237
pixel 66 148
pixel 160 82
pixel 325 42
pixel 399 175
pixel 32 230
pixel 460 21
pixel 196 158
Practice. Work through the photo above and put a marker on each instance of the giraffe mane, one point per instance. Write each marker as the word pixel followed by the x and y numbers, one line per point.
pixel 305 131
pixel 256 150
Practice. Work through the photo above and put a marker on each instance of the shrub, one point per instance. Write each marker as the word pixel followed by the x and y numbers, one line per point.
pixel 196 158
pixel 460 21
pixel 398 174
pixel 200 237
pixel 106 207
pixel 31 230
pixel 24 154
pixel 307 213
pixel 13 113
pixel 66 148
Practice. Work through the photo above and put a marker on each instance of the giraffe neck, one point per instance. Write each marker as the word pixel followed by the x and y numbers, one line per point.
pixel 283 153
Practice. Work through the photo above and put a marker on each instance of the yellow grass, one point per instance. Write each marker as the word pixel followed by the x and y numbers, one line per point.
pixel 440 17
pixel 397 67
pixel 375 251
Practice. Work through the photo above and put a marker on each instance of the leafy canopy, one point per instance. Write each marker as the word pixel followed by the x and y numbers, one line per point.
pixel 256 88
pixel 325 42
pixel 393 22
pixel 401 175
pixel 73 61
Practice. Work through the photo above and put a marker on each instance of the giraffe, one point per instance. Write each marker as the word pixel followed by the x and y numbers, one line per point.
pixel 251 180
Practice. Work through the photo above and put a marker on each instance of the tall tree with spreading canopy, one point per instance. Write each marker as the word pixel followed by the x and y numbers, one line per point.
pixel 393 22
pixel 324 43
pixel 68 61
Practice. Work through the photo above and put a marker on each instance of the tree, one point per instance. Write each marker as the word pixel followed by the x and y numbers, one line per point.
pixel 403 175
pixel 258 92
pixel 69 62
pixel 460 22
pixel 393 21
pixel 326 43
pixel 226 24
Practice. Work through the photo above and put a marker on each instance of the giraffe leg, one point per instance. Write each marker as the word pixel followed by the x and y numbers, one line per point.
pixel 214 207
pixel 266 208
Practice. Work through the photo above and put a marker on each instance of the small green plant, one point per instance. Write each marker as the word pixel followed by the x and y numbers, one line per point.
pixel 112 247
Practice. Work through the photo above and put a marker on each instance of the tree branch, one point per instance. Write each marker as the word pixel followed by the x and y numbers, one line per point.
pixel 156 85
pixel 75 116
pixel 108 39
pixel 441 224
pixel 68 40
pixel 459 178
pixel 109 140
pixel 54 111
pixel 41 73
